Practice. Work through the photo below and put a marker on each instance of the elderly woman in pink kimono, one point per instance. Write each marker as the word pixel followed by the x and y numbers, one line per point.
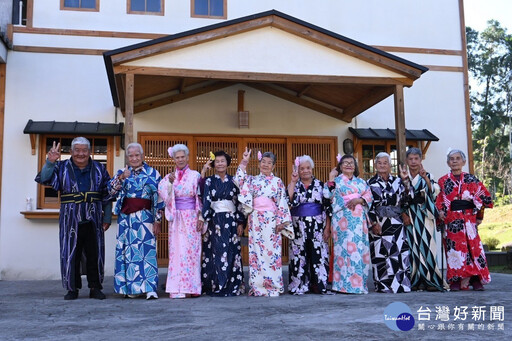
pixel 180 190
pixel 264 198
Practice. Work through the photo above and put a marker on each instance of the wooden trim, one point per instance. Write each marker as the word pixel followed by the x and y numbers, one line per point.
pixel 445 68
pixel 128 124
pixel 400 123
pixel 10 34
pixel 419 50
pixel 193 15
pixel 467 104
pixel 3 74
pixel 41 214
pixel 30 13
pixel 86 33
pixel 33 143
pixel 347 48
pixel 259 76
pixel 58 50
pixel 275 91
pixel 161 13
pixel 374 96
pixel 96 9
pixel 298 137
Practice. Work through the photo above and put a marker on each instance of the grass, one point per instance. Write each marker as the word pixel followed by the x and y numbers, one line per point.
pixel 504 269
pixel 498 224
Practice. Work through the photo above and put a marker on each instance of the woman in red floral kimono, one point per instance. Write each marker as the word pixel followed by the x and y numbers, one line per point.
pixel 461 204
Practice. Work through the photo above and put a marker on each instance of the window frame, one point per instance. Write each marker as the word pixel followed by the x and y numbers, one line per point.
pixel 161 13
pixel 193 15
pixel 64 8
pixel 41 202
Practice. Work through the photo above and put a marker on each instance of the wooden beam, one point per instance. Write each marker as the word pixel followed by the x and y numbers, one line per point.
pixel 192 40
pixel 419 50
pixel 260 76
pixel 346 48
pixel 424 148
pixel 182 85
pixel 303 91
pixel 445 68
pixel 33 139
pixel 128 121
pixel 86 33
pixel 160 101
pixel 241 94
pixel 374 96
pixel 58 50
pixel 333 112
pixel 400 123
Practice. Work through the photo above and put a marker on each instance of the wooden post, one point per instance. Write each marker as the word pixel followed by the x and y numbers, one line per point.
pixel 400 123
pixel 128 116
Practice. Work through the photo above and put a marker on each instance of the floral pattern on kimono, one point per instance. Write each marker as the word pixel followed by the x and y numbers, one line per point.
pixel 221 271
pixel 351 260
pixel 136 269
pixel 184 272
pixel 265 264
pixel 309 259
pixel 464 251
pixel 389 250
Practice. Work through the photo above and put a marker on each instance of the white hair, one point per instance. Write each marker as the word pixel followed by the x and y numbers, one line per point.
pixel 456 151
pixel 179 148
pixel 381 155
pixel 134 145
pixel 307 158
pixel 80 140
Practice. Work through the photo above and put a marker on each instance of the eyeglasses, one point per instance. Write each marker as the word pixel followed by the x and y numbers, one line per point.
pixel 346 163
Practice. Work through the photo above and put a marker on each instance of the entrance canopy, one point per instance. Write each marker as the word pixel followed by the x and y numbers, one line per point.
pixel 270 51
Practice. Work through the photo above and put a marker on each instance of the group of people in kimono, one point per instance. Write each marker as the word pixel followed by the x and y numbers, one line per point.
pixel 387 223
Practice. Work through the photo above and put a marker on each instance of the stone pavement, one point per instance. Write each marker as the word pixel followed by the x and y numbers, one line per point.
pixel 36 310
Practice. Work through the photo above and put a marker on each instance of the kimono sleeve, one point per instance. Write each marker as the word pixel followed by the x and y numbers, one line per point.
pixel 294 200
pixel 207 211
pixel 377 199
pixel 242 181
pixel 482 198
pixel 53 180
pixel 199 203
pixel 366 193
pixel 283 215
pixel 157 203
pixel 166 193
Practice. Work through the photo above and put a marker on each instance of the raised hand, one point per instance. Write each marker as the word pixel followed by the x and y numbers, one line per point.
pixel 171 176
pixel 54 153
pixel 333 174
pixel 295 176
pixel 246 156
pixel 404 174
pixel 423 172
pixel 207 166
pixel 126 173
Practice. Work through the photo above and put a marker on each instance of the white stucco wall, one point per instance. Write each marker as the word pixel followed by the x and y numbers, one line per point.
pixel 75 87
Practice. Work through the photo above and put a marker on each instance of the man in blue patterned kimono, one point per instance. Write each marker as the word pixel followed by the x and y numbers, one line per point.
pixel 85 213
pixel 139 216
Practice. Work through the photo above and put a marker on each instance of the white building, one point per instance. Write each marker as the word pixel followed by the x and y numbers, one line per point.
pixel 293 77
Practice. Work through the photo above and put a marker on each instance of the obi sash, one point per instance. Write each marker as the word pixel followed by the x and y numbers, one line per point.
pixel 388 211
pixel 460 205
pixel 131 205
pixel 308 209
pixel 80 197
pixel 223 206
pixel 263 204
pixel 185 203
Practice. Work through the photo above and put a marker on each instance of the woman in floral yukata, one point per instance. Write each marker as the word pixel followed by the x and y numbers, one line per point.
pixel 221 271
pixel 263 197
pixel 180 192
pixel 350 197
pixel 309 263
pixel 461 203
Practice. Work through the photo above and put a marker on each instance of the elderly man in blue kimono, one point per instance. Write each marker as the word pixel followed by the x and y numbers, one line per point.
pixel 85 213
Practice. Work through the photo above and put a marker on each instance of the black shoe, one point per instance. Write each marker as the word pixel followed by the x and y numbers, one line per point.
pixel 97 294
pixel 71 295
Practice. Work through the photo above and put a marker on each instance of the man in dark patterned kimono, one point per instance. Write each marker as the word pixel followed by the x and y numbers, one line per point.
pixel 82 184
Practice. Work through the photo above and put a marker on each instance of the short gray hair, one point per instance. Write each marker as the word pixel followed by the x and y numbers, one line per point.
pixel 413 150
pixel 381 155
pixel 80 140
pixel 179 148
pixel 307 158
pixel 271 156
pixel 456 151
pixel 134 145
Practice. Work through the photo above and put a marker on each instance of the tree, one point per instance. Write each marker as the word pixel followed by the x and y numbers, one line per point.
pixel 490 71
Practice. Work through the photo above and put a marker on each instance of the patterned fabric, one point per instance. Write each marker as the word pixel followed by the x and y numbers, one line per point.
pixel 420 205
pixel 309 260
pixel 63 179
pixel 351 256
pixel 221 271
pixel 136 269
pixel 184 272
pixel 389 250
pixel 464 251
pixel 265 266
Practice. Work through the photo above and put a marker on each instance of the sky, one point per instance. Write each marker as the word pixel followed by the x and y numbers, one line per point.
pixel 478 12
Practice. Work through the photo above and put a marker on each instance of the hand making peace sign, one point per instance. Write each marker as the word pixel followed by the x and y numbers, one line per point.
pixel 54 153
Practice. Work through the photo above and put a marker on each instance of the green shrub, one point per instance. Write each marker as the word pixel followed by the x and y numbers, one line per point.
pixel 492 242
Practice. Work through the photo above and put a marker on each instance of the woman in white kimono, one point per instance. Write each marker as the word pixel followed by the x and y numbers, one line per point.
pixel 264 198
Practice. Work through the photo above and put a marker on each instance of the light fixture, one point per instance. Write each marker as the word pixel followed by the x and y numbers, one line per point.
pixel 348 146
pixel 243 119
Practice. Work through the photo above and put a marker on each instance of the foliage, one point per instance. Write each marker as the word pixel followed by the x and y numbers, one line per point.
pixel 492 243
pixel 490 71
